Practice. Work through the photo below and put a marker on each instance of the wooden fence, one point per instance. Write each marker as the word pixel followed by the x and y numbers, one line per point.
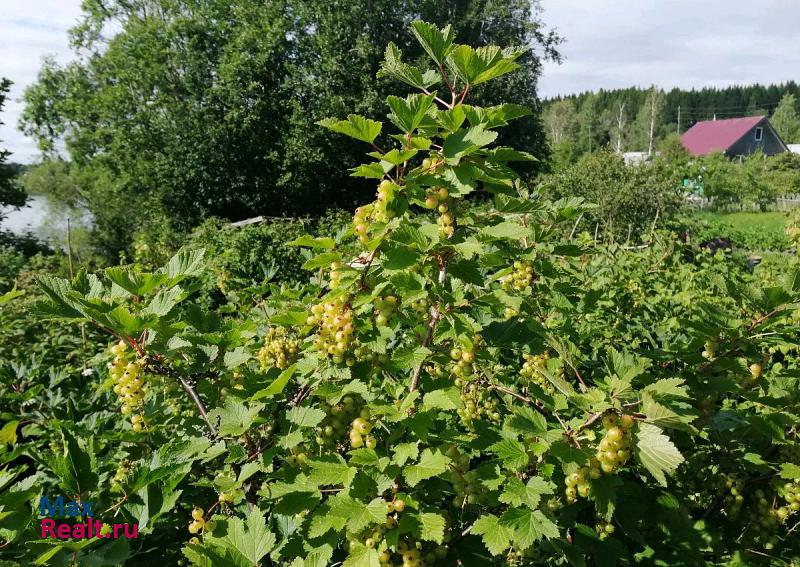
pixel 782 203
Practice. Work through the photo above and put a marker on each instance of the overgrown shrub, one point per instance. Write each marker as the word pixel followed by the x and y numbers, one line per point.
pixel 629 198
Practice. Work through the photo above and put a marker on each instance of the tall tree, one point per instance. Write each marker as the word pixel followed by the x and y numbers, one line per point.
pixel 620 121
pixel 589 125
pixel 560 120
pixel 206 108
pixel 11 194
pixel 650 118
pixel 786 120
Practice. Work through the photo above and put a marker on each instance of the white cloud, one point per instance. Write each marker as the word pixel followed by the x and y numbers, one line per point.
pixel 29 31
pixel 677 43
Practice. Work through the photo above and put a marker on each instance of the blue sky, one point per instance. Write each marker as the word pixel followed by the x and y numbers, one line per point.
pixel 609 43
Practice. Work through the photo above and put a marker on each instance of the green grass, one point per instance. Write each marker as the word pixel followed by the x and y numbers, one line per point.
pixel 773 222
pixel 751 231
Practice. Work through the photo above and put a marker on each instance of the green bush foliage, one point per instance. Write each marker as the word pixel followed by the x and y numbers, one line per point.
pixel 466 388
pixel 628 197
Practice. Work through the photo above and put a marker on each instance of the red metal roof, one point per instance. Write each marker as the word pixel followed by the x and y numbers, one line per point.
pixel 716 135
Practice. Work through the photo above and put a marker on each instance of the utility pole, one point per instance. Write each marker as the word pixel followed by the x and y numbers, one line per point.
pixel 679 120
pixel 620 126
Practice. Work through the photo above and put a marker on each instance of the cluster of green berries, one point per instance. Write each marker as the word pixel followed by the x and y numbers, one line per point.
pixel 767 519
pixel 128 384
pixel 465 481
pixel 280 349
pixel 520 277
pixel 709 350
pixel 198 524
pixel 435 370
pixel 420 306
pixel 335 275
pixel 733 489
pixel 438 199
pixel 120 474
pixel 613 451
pixel 521 557
pixel 578 482
pixel 463 361
pixel 533 367
pixel 412 554
pixel 384 307
pixel 604 529
pixel 791 494
pixel 477 404
pixel 373 538
pixel 379 211
pixel 298 456
pixel 756 369
pixel 335 329
pixel 360 429
pixel 335 424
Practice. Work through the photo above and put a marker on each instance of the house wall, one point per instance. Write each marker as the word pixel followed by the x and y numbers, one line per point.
pixel 770 143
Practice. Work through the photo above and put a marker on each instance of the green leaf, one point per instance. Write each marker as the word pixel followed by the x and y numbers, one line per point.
pixel 235 417
pixel 135 283
pixel 393 66
pixel 8 434
pixel 305 416
pixel 355 126
pixel 309 241
pixel 251 538
pixel 431 527
pixel 511 452
pixel 790 471
pixel 357 514
pixel 527 526
pixel 317 557
pixel 361 556
pixel 516 493
pixel 656 452
pixel 184 264
pixel 604 493
pixel 235 357
pixel 496 537
pixel 405 451
pixel 330 470
pixel 506 230
pixel 374 170
pixel 464 142
pixel 445 399
pixel 431 463
pixel 277 385
pixel 668 387
pixel 476 66
pixel 436 42
pixel 408 113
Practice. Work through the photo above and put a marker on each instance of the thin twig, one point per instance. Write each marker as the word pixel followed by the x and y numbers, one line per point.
pixel 436 314
pixel 574 228
pixel 190 391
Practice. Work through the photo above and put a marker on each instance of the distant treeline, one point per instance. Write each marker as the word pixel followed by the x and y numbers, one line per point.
pixel 636 119
pixel 696 104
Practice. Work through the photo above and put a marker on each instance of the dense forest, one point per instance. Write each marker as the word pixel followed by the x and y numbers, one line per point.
pixel 621 118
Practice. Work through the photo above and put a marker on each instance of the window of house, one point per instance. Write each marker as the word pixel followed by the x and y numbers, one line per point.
pixel 759 133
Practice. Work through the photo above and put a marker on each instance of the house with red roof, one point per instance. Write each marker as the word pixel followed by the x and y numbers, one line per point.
pixel 733 137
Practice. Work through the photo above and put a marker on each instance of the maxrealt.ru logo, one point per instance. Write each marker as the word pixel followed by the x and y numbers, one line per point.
pixel 80 529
